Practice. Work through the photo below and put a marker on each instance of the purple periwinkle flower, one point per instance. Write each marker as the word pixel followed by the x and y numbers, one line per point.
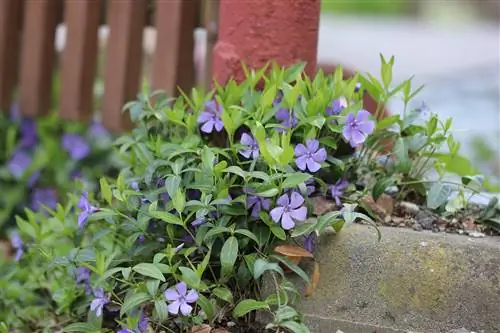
pixel 43 197
pixel 18 245
pixel 287 119
pixel 99 301
pixel 310 156
pixel 337 190
pixel 278 99
pixel 76 146
pixel 289 210
pixel 180 298
pixel 252 146
pixel 256 203
pixel 211 117
pixel 310 188
pixel 86 209
pixel 310 242
pixel 336 107
pixel 357 128
pixel 197 222
pixel 135 186
pixel 142 326
pixel 83 277
pixel 28 133
pixel 18 164
pixel 97 129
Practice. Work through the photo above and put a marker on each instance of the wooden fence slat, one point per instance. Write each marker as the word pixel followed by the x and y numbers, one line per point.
pixel 79 58
pixel 173 64
pixel 10 37
pixel 37 57
pixel 126 20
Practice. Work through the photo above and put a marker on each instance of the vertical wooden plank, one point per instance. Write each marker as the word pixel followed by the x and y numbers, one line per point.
pixel 37 57
pixel 10 37
pixel 173 64
pixel 79 58
pixel 210 22
pixel 126 20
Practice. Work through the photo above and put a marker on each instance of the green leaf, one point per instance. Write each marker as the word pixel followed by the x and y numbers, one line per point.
pixel 285 313
pixel 403 163
pixel 248 305
pixel 224 294
pixel 106 190
pixel 190 277
pixel 247 233
pixel 149 270
pixel 294 179
pixel 236 170
pixel 267 193
pixel 161 310
pixel 179 201
pixel 387 122
pixel 380 186
pixel 228 256
pixel 303 229
pixel 438 195
pixel 278 232
pixel 166 217
pixel 295 327
pixel 81 328
pixel 261 265
pixel 295 268
pixel 207 306
pixel 326 220
pixel 133 301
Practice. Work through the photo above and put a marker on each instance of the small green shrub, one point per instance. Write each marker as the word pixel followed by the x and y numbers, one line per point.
pixel 218 190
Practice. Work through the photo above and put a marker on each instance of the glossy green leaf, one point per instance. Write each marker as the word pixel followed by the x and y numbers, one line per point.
pixel 248 305
pixel 149 270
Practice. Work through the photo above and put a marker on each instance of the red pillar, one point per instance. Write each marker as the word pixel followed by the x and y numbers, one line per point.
pixel 257 31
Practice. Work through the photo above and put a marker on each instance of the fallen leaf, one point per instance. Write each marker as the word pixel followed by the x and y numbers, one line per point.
pixel 201 329
pixel 314 281
pixel 293 251
pixel 386 202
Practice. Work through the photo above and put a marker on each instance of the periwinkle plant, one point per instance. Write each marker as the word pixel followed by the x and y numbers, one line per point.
pixel 186 231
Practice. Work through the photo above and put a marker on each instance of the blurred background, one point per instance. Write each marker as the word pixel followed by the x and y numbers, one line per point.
pixel 451 46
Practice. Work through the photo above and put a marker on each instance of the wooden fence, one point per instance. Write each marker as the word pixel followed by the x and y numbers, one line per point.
pixel 28 57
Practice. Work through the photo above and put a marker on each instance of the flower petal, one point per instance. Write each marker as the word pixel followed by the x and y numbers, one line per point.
pixel 186 309
pixel 246 153
pixel 181 288
pixel 192 296
pixel 246 139
pixel 301 162
pixel 208 127
pixel 287 222
pixel 357 138
pixel 173 308
pixel 282 114
pixel 300 150
pixel 219 125
pixel 283 200
pixel 299 214
pixel 296 200
pixel 276 213
pixel 349 119
pixel 320 155
pixel 362 116
pixel 347 132
pixel 312 165
pixel 312 145
pixel 367 126
pixel 204 117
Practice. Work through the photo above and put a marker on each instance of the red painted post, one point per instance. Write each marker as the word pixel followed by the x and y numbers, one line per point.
pixel 257 31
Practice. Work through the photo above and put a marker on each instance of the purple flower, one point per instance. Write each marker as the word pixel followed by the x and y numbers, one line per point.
pixel 179 298
pixel 99 301
pixel 135 186
pixel 197 222
pixel 28 133
pixel 17 244
pixel 289 210
pixel 142 326
pixel 211 117
pixel 86 209
pixel 310 242
pixel 278 99
pixel 43 197
pixel 83 277
pixel 18 164
pixel 97 129
pixel 178 248
pixel 337 190
pixel 33 178
pixel 251 143
pixel 310 156
pixel 256 203
pixel 287 118
pixel 336 107
pixel 76 146
pixel 357 128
